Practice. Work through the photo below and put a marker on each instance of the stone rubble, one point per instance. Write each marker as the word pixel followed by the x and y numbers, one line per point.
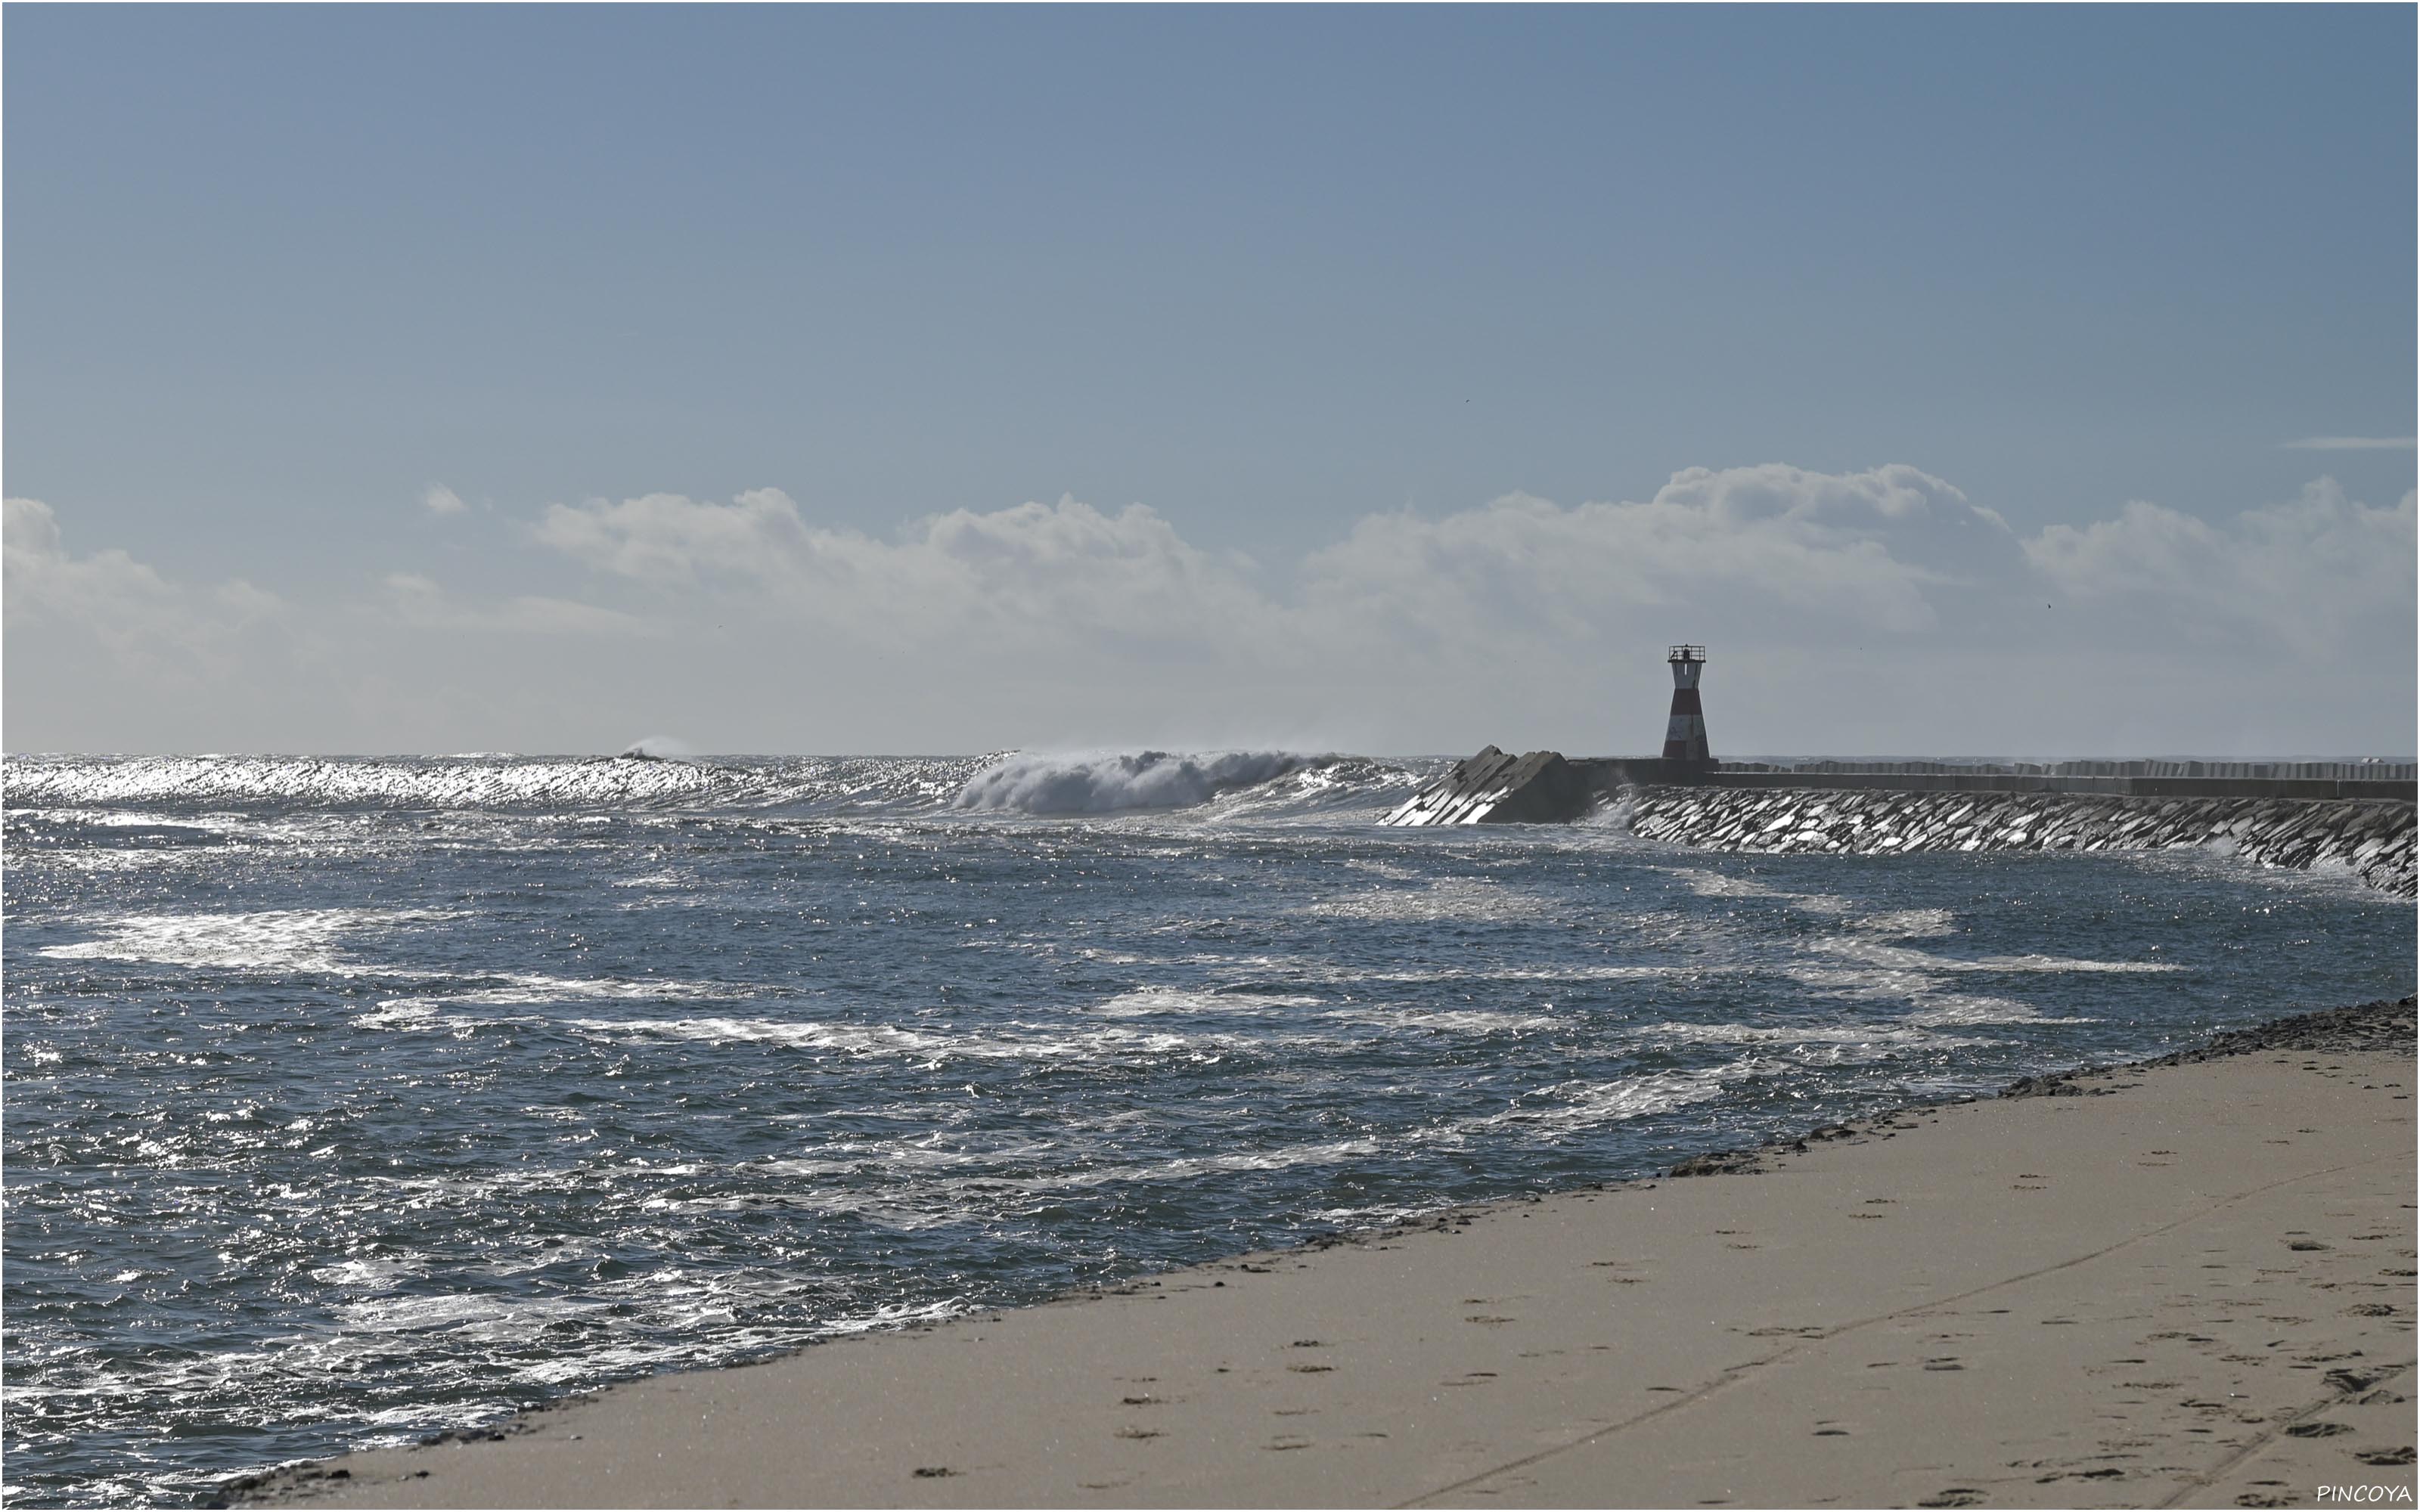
pixel 2370 837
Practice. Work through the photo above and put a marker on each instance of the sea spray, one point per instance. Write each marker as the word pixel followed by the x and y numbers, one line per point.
pixel 1110 782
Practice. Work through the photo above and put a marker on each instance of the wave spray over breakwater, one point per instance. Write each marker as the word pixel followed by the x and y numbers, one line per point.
pixel 355 1100
pixel 1111 783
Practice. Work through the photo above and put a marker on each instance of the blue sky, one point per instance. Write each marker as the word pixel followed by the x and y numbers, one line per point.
pixel 1277 276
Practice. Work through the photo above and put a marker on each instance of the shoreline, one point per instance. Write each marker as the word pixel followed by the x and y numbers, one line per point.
pixel 1633 1343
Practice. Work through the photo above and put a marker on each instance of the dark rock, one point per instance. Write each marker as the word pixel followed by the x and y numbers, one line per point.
pixel 2053 1086
pixel 1720 1162
pixel 1494 788
pixel 2388 1025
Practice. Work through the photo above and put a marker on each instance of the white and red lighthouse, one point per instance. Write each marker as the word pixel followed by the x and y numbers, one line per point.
pixel 1684 736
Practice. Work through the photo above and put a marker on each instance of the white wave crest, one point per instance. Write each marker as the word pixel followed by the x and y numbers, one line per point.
pixel 1147 1002
pixel 1115 1043
pixel 1107 784
pixel 282 940
pixel 1901 959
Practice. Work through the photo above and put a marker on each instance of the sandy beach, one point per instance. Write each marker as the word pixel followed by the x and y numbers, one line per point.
pixel 2186 1284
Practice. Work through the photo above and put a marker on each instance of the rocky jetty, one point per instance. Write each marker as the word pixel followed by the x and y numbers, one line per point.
pixel 1496 788
pixel 2372 838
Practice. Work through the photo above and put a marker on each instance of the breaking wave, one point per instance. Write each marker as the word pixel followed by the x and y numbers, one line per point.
pixel 1109 783
pixel 1244 783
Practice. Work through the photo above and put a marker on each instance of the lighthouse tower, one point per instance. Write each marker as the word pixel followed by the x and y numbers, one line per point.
pixel 1685 737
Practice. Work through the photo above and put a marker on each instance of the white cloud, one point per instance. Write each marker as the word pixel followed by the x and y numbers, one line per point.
pixel 2349 444
pixel 1837 604
pixel 422 604
pixel 669 540
pixel 1865 549
pixel 1085 621
pixel 2309 572
pixel 148 623
pixel 1035 571
pixel 439 500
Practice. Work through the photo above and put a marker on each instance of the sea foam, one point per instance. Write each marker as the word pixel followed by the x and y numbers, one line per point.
pixel 1110 782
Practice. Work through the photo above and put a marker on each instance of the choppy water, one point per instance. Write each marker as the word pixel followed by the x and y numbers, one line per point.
pixel 348 1101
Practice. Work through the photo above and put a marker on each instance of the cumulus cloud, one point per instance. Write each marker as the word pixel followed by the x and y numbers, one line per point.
pixel 439 500
pixel 671 540
pixel 1763 550
pixel 1865 548
pixel 2307 571
pixel 1035 570
pixel 1827 596
pixel 1514 604
pixel 147 621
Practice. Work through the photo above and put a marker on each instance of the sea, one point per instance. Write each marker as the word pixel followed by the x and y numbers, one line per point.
pixel 347 1101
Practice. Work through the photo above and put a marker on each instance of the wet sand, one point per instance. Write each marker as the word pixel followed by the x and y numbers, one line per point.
pixel 2171 1285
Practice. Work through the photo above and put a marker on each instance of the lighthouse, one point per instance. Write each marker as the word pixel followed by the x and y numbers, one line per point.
pixel 1684 736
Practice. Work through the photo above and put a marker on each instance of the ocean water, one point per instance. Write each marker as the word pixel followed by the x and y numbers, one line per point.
pixel 350 1100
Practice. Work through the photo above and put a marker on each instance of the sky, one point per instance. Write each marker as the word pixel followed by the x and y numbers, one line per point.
pixel 1971 380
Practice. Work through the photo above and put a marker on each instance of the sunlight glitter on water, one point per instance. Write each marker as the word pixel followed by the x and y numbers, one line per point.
pixel 359 1110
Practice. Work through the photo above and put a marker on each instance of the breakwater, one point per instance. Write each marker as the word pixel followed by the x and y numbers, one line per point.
pixel 2139 779
pixel 2373 838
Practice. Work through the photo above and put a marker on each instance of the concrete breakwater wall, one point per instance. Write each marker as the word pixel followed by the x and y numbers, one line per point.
pixel 2372 838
